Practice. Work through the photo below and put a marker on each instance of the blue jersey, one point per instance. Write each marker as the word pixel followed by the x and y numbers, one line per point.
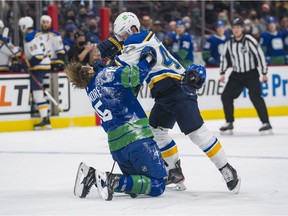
pixel 122 117
pixel 182 48
pixel 213 49
pixel 285 40
pixel 273 47
pixel 166 73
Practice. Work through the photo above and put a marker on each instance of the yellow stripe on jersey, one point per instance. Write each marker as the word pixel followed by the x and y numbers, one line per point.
pixel 44 106
pixel 163 76
pixel 170 152
pixel 117 63
pixel 4 68
pixel 41 67
pixel 57 61
pixel 148 37
pixel 213 151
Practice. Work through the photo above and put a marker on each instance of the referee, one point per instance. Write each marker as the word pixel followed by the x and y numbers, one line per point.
pixel 245 55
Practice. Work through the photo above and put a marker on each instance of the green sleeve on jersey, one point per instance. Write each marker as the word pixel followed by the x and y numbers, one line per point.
pixel 206 54
pixel 130 76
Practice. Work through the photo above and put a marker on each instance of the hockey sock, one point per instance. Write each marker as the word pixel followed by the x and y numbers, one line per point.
pixel 209 145
pixel 170 154
pixel 41 103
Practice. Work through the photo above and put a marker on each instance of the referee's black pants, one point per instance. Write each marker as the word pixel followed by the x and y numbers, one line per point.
pixel 234 87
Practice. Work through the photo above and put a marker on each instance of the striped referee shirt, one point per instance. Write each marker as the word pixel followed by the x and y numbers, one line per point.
pixel 245 55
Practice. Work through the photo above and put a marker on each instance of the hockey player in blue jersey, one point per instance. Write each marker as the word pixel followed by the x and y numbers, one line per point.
pixel 173 101
pixel 272 43
pixel 214 45
pixel 126 124
pixel 182 45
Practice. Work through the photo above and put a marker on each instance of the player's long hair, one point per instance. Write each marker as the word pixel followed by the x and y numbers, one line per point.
pixel 78 74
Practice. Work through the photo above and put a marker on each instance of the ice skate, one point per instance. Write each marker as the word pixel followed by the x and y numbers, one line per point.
pixel 44 124
pixel 85 179
pixel 231 178
pixel 106 183
pixel 227 127
pixel 266 128
pixel 175 176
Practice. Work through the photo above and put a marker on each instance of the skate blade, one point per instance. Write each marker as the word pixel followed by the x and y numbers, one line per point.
pixel 102 188
pixel 179 186
pixel 45 127
pixel 81 173
pixel 227 132
pixel 266 132
pixel 237 188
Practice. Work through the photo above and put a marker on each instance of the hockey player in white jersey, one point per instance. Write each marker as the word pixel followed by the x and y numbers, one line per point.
pixel 9 54
pixel 54 42
pixel 38 62
pixel 172 102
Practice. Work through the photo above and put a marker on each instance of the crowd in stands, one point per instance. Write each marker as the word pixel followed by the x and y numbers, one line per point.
pixel 79 26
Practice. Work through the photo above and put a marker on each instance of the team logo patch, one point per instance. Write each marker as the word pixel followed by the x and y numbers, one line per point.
pixel 144 168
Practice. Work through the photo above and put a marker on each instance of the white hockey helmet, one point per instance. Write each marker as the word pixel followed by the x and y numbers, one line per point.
pixel 123 24
pixel 25 23
pixel 45 18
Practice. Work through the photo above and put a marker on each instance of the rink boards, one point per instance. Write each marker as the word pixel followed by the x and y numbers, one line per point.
pixel 15 100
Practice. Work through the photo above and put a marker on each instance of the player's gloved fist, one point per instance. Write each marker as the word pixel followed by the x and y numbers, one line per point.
pixel 98 64
pixel 149 53
pixel 57 67
pixel 109 47
pixel 194 76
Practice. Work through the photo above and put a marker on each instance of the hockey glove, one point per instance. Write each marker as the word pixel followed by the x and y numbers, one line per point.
pixel 98 65
pixel 57 67
pixel 109 47
pixel 149 53
pixel 194 76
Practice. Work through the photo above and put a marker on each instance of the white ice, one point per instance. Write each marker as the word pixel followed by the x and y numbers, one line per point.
pixel 38 171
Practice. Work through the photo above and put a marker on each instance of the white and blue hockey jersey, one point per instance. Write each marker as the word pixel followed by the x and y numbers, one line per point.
pixel 37 52
pixel 7 51
pixel 56 47
pixel 166 73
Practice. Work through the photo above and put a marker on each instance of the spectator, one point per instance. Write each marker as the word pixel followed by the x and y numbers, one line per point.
pixel 284 27
pixel 146 22
pixel 265 10
pixel 223 16
pixel 68 39
pixel 169 36
pixel 272 43
pixel 214 45
pixel 157 29
pixel 93 34
pixel 182 47
pixel 81 51
pixel 83 19
pixel 255 23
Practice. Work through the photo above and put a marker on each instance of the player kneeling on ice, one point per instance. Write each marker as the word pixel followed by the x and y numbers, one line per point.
pixel 110 90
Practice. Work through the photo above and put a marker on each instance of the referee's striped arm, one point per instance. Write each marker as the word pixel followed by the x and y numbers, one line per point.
pixel 224 58
pixel 258 53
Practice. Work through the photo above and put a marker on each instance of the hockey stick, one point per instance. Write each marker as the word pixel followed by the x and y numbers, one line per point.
pixel 58 105
pixel 5 34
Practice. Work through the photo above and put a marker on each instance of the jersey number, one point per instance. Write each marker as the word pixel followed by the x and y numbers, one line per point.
pixel 167 60
pixel 105 115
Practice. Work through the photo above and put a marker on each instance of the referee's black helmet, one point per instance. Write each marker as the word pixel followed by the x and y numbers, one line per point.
pixel 238 22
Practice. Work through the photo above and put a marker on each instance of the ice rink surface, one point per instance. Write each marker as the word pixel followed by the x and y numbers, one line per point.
pixel 38 171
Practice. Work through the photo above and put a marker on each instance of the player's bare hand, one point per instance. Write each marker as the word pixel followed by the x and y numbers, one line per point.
pixel 222 78
pixel 264 78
